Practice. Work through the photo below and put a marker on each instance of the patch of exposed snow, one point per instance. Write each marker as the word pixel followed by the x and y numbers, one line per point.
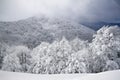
pixel 111 75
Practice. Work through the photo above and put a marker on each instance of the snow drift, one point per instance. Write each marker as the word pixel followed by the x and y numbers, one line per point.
pixel 111 75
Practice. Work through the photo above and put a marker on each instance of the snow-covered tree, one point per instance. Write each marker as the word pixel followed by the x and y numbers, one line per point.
pixel 117 60
pixel 78 44
pixel 23 53
pixel 3 52
pixel 81 61
pixel 105 46
pixel 18 55
pixel 39 51
pixel 110 65
pixel 51 58
pixel 107 42
pixel 98 63
pixel 61 51
pixel 11 63
pixel 38 57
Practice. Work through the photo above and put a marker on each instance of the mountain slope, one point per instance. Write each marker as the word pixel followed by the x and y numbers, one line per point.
pixel 34 30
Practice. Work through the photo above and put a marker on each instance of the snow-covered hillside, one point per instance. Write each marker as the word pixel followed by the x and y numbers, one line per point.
pixel 75 56
pixel 111 75
pixel 34 30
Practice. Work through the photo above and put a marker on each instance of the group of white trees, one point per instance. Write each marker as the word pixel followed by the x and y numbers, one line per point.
pixel 76 56
pixel 17 59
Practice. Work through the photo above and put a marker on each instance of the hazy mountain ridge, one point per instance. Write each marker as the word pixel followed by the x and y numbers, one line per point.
pixel 34 30
pixel 98 25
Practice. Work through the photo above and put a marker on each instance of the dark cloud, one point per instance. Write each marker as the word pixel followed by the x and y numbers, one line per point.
pixel 117 1
pixel 80 10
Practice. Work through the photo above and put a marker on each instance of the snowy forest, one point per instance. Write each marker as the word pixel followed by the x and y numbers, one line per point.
pixel 65 56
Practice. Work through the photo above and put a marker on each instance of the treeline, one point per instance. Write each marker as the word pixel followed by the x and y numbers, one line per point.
pixel 63 56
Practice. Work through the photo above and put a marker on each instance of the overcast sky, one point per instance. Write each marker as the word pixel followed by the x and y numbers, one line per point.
pixel 80 10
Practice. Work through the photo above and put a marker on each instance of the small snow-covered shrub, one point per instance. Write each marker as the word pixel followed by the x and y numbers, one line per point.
pixel 110 65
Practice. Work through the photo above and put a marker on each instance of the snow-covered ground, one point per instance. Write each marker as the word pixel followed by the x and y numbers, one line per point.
pixel 111 75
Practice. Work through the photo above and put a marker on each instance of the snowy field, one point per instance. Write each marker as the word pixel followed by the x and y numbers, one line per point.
pixel 111 75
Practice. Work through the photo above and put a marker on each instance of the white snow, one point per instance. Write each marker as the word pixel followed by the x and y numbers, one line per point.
pixel 111 75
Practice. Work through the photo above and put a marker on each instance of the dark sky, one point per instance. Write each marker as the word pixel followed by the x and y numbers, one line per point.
pixel 80 10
